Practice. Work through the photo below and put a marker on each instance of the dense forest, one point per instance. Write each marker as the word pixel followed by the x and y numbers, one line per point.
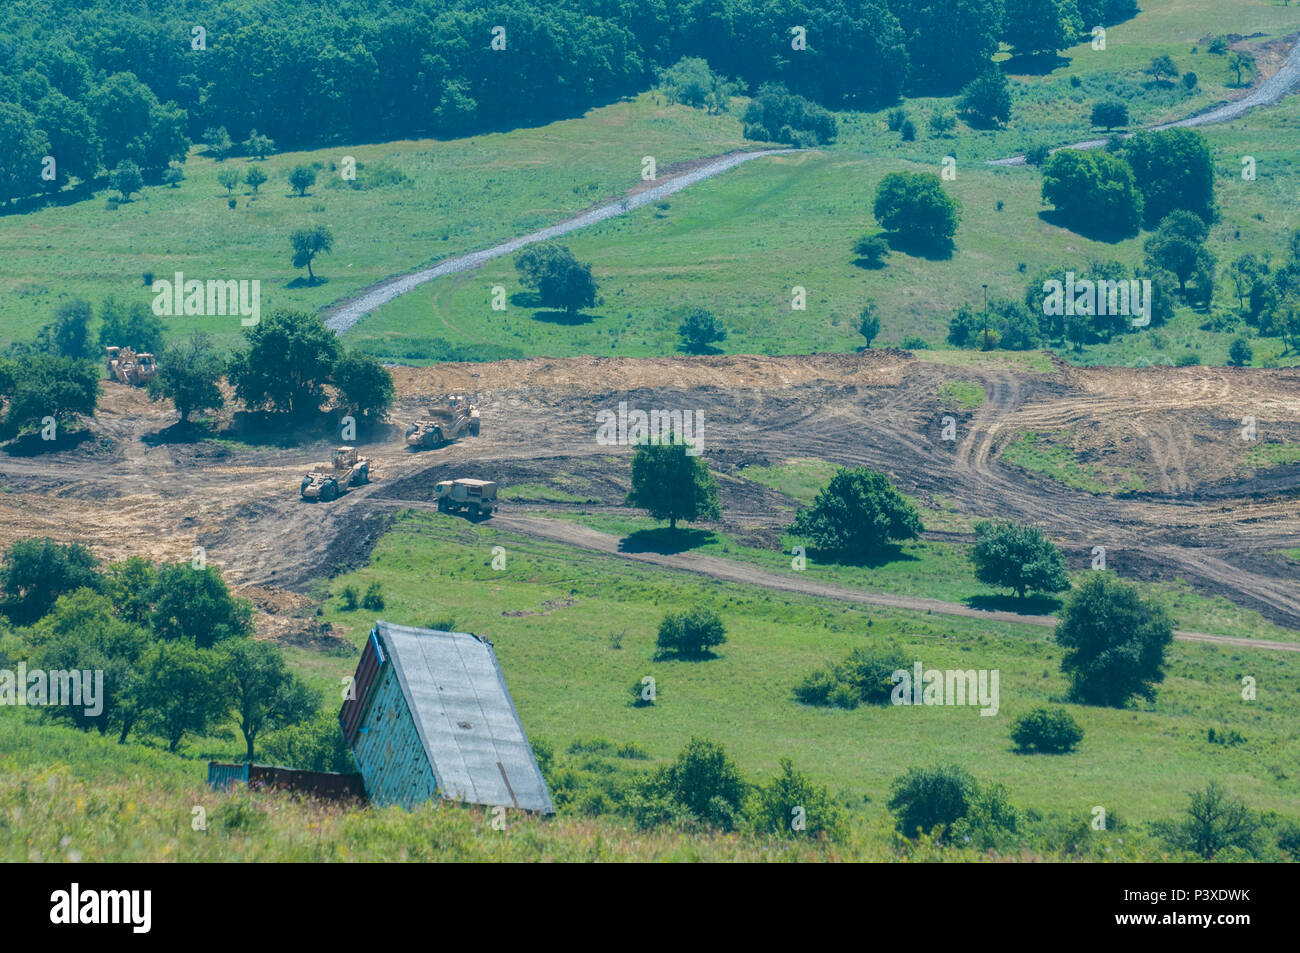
pixel 98 82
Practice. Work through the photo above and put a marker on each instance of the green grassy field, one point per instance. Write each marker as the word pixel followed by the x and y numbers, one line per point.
pixel 457 196
pixel 574 630
pixel 738 244
pixel 570 682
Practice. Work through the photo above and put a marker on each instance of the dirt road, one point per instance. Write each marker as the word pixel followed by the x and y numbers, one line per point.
pixel 341 317
pixel 575 534
pixel 1282 83
pixel 135 487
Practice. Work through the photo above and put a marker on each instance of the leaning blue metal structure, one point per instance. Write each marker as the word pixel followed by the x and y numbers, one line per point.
pixel 429 716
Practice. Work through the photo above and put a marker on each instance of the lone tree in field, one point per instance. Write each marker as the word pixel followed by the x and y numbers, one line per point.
pixel 189 376
pixel 690 634
pixel 868 323
pixel 1017 557
pixel 1241 63
pixel 914 206
pixel 673 485
pixel 986 101
pixel 700 329
pixel 228 178
pixel 126 178
pixel 302 178
pixel 263 692
pixel 1162 68
pixel 254 178
pixel 857 515
pixel 307 244
pixel 1109 114
pixel 289 360
pixel 1115 642
pixel 560 280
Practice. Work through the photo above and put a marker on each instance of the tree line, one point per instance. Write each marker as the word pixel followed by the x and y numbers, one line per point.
pixel 290 364
pixel 109 84
pixel 174 644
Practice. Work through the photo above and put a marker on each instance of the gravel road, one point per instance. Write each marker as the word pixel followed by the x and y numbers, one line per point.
pixel 343 316
pixel 1284 81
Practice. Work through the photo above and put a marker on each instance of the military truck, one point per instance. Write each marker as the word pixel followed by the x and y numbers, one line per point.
pixel 325 481
pixel 441 425
pixel 127 367
pixel 475 497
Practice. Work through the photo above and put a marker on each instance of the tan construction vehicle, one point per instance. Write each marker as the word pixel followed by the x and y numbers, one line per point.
pixel 476 497
pixel 127 367
pixel 441 425
pixel 325 481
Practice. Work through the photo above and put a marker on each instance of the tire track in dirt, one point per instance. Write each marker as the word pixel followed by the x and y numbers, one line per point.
pixel 715 567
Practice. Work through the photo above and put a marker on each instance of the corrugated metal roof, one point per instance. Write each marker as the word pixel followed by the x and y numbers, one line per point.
pixel 465 717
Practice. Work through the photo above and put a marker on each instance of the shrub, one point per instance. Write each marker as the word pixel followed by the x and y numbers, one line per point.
pixel 1213 822
pixel 1240 353
pixel 1049 730
pixel 374 597
pixel 790 804
pixel 348 598
pixel 864 677
pixel 1115 642
pixel 1110 113
pixel 777 115
pixel 915 206
pixel 638 692
pixel 857 515
pixel 702 786
pixel 927 798
pixel 872 250
pixel 690 634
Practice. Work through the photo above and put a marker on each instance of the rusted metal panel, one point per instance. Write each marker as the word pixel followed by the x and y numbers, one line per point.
pixel 327 785
pixel 354 708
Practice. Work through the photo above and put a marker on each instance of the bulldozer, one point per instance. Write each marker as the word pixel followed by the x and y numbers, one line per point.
pixel 476 497
pixel 325 481
pixel 127 367
pixel 441 425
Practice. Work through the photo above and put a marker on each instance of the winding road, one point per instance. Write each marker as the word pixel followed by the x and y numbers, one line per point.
pixel 1272 90
pixel 341 317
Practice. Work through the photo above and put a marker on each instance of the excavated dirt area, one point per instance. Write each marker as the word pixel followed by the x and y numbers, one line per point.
pixel 134 485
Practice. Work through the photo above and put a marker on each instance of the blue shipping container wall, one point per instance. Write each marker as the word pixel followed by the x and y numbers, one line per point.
pixel 438 721
pixel 221 777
